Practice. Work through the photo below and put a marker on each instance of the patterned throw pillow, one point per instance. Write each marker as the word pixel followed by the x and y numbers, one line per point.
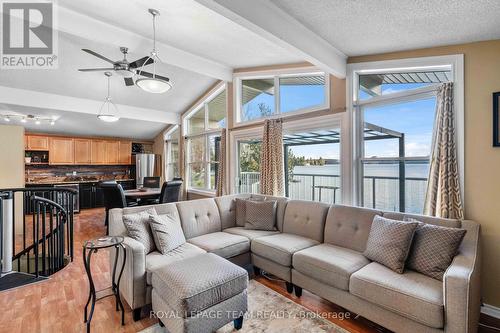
pixel 434 248
pixel 241 209
pixel 261 215
pixel 389 242
pixel 137 225
pixel 167 232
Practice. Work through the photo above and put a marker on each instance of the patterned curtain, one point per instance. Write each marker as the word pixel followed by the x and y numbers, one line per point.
pixel 443 197
pixel 221 171
pixel 271 159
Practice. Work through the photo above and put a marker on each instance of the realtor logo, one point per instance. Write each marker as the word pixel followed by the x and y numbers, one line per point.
pixel 29 38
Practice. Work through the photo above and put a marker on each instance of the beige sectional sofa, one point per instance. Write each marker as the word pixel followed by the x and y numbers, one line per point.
pixel 318 247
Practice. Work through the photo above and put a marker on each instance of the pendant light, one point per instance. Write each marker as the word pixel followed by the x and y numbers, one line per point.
pixel 108 111
pixel 153 84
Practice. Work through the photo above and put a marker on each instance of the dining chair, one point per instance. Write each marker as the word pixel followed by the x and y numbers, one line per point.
pixel 170 191
pixel 113 197
pixel 151 182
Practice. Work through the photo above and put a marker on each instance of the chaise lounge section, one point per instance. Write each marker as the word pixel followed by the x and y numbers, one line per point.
pixel 318 247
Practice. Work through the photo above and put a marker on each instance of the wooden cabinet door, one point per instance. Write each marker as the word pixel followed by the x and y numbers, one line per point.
pixel 35 142
pixel 125 152
pixel 112 152
pixel 83 151
pixel 98 152
pixel 61 151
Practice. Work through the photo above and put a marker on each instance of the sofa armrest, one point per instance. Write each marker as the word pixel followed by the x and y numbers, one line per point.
pixel 133 281
pixel 462 294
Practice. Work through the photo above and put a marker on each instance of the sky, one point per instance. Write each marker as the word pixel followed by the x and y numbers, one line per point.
pixel 415 119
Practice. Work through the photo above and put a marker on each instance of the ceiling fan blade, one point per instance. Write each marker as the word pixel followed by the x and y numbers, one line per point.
pixel 95 69
pixel 129 81
pixel 147 74
pixel 98 55
pixel 141 62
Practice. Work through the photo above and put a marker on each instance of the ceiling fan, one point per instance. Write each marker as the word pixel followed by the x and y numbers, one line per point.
pixel 125 68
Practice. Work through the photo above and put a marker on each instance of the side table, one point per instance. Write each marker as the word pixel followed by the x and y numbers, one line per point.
pixel 90 247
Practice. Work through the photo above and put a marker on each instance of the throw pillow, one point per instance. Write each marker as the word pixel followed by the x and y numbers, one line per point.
pixel 261 215
pixel 167 232
pixel 137 225
pixel 241 209
pixel 389 242
pixel 434 248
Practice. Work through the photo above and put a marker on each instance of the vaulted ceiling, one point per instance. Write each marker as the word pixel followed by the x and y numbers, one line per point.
pixel 202 41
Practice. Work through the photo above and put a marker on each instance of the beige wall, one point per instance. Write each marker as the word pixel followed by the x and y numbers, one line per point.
pixel 159 149
pixel 12 164
pixel 482 161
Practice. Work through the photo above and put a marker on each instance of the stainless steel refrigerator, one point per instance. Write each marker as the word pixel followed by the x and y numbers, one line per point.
pixel 144 167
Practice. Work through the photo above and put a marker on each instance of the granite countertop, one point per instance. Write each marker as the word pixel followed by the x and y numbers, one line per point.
pixel 74 182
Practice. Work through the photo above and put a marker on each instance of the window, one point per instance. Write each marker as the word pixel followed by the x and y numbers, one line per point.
pixel 173 154
pixel 311 158
pixel 203 141
pixel 261 97
pixel 312 165
pixel 395 124
pixel 248 180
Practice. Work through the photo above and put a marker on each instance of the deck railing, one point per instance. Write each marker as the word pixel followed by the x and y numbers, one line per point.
pixel 380 192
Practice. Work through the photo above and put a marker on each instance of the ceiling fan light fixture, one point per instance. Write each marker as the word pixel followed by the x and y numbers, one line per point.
pixel 153 85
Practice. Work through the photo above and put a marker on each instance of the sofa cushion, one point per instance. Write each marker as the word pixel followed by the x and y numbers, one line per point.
pixel 348 226
pixel 280 209
pixel 222 243
pixel 261 215
pixel 227 209
pixel 249 233
pixel 167 232
pixel 199 217
pixel 155 259
pixel 389 242
pixel 305 218
pixel 280 248
pixel 329 264
pixel 412 295
pixel 433 249
pixel 195 284
pixel 137 225
pixel 241 209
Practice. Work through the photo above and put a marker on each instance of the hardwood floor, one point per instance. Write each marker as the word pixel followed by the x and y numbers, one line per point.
pixel 57 305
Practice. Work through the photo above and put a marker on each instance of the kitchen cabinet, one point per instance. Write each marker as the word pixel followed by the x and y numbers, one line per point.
pixel 36 142
pixel 91 195
pixel 125 153
pixel 112 152
pixel 83 149
pixel 98 152
pixel 61 150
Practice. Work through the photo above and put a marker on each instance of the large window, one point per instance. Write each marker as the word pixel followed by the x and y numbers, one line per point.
pixel 395 126
pixel 203 126
pixel 261 97
pixel 172 146
pixel 311 161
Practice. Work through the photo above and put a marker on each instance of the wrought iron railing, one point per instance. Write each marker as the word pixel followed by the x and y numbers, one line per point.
pixel 42 229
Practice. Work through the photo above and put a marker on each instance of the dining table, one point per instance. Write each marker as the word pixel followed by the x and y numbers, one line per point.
pixel 143 193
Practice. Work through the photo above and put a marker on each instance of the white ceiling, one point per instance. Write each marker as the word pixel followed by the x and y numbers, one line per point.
pixel 82 124
pixel 189 26
pixel 368 27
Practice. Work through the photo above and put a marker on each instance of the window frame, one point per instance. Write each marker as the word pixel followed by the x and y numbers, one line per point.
pixel 206 134
pixel 238 79
pixel 450 62
pixel 168 137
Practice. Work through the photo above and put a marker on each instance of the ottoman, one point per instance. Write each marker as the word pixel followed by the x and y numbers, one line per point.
pixel 199 294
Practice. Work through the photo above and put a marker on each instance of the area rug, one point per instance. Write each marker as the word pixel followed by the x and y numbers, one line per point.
pixel 271 312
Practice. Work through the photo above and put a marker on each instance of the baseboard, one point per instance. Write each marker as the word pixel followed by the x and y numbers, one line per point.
pixel 490 310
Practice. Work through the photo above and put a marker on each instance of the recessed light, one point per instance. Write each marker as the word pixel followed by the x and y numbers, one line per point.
pixel 23 120
pixel 6 118
pixel 37 121
pixel 52 123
